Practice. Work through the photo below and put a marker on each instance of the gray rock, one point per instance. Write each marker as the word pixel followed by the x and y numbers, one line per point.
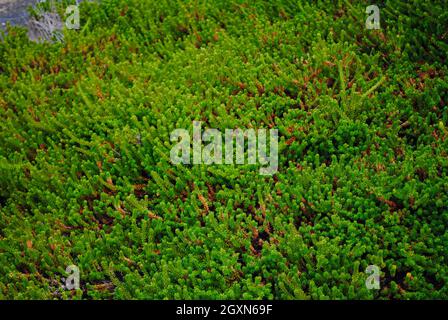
pixel 47 26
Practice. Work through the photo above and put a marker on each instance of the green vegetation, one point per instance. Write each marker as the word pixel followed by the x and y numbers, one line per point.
pixel 86 179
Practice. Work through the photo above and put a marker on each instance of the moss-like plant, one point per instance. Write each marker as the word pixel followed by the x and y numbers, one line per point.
pixel 86 180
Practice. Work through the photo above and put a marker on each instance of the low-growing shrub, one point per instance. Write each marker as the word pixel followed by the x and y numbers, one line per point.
pixel 86 179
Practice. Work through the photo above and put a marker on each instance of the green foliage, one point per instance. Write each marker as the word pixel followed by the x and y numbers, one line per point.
pixel 85 176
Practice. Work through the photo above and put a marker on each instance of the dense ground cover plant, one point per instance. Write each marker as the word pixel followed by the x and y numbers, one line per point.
pixel 86 179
